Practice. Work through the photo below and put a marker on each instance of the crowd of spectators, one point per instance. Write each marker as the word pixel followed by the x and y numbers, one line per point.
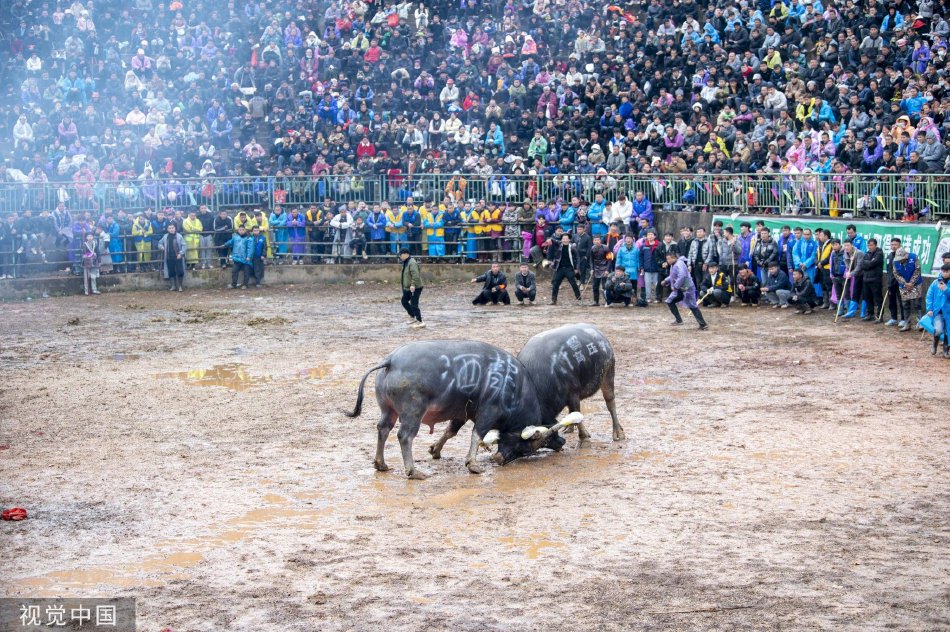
pixel 145 95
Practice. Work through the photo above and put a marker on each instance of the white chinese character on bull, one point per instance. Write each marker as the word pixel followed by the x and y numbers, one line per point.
pixel 560 380
pixel 574 376
pixel 432 381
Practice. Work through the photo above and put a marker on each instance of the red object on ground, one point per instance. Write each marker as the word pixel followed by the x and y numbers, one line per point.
pixel 15 513
pixel 4 447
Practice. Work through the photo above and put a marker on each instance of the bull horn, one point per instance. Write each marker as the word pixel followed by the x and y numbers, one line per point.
pixel 490 439
pixel 539 434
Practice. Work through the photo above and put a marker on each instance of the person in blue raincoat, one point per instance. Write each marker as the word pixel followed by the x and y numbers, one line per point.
pixel 938 308
pixel 115 241
pixel 805 254
pixel 278 224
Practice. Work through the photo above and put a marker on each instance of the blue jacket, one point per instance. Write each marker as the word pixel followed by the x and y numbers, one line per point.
pixel 629 258
pixel 650 258
pixel 860 243
pixel 642 209
pixel 804 253
pixel 260 246
pixel 453 220
pixel 377 226
pixel 938 301
pixel 907 267
pixel 745 243
pixel 242 248
pixel 596 216
pixel 568 216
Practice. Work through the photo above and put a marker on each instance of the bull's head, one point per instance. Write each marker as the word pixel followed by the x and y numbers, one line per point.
pixel 515 445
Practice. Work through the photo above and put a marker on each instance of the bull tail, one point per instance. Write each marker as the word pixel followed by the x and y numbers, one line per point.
pixel 359 394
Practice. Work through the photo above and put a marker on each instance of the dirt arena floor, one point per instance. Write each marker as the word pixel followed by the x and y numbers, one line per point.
pixel 779 472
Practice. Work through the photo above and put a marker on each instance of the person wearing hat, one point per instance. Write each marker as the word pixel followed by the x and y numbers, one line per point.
pixel 906 283
pixel 893 303
pixel 411 283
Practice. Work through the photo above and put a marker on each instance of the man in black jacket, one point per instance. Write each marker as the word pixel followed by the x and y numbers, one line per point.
pixel 764 253
pixel 777 288
pixel 495 288
pixel 618 288
pixel 566 265
pixel 585 244
pixel 872 271
pixel 803 293
pixel 526 286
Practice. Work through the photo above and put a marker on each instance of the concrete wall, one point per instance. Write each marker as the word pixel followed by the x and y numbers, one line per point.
pixel 673 221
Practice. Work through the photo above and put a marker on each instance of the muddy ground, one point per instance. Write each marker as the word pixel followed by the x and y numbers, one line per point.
pixel 780 472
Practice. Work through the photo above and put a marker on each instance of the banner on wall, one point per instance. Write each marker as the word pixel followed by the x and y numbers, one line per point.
pixel 926 240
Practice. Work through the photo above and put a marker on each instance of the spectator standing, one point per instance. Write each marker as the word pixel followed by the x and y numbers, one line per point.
pixel 173 250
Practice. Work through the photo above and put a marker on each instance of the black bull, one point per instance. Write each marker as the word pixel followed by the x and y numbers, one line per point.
pixel 432 381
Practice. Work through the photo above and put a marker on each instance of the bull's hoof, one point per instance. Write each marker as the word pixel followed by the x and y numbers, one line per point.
pixel 568 430
pixel 381 466
pixel 619 435
pixel 585 443
pixel 498 458
pixel 416 475
pixel 435 452
pixel 475 468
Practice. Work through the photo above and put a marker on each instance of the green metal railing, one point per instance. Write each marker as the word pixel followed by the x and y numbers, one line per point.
pixel 861 195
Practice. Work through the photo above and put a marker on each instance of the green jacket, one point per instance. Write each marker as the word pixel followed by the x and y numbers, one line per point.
pixel 410 274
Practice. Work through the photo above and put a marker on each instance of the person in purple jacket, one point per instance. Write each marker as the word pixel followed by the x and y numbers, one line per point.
pixel 681 289
pixel 297 235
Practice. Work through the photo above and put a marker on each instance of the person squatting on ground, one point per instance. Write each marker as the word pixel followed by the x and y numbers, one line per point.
pixel 411 283
pixel 748 289
pixel 777 288
pixel 618 287
pixel 803 293
pixel 526 285
pixel 682 289
pixel 495 287
pixel 716 287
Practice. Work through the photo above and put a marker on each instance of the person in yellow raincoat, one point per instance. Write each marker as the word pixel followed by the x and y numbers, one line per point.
pixel 245 221
pixel 433 221
pixel 491 231
pixel 192 229
pixel 142 238
pixel 395 228
pixel 264 225
pixel 471 230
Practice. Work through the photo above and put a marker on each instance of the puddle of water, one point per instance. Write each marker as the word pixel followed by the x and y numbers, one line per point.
pixel 158 570
pixel 318 372
pixel 162 563
pixel 234 377
pixel 532 544
pixel 454 498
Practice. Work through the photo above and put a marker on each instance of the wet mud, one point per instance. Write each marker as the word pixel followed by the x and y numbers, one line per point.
pixel 779 472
